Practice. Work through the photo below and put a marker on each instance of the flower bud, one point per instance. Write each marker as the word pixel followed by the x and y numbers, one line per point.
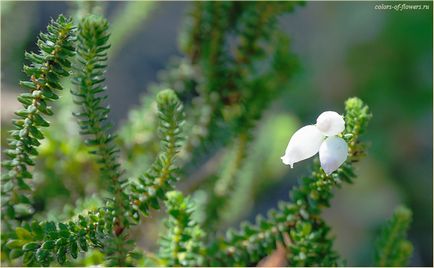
pixel 330 123
pixel 303 144
pixel 332 154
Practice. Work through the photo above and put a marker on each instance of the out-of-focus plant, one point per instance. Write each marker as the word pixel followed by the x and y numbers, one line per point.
pixel 393 249
pixel 236 62
pixel 129 20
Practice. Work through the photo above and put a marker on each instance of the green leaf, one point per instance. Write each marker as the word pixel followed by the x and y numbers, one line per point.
pixel 22 112
pixel 61 242
pixel 36 133
pixel 47 93
pixel 29 257
pixel 37 229
pixel 31 246
pixel 34 57
pixel 16 253
pixel 42 256
pixel 39 121
pixel 43 108
pixel 15 244
pixel 73 248
pixel 48 244
pixel 26 100
pixel 61 255
pixel 83 243
pixel 26 174
pixel 23 234
pixel 28 84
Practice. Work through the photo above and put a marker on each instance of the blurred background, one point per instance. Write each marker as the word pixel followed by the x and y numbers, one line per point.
pixel 344 49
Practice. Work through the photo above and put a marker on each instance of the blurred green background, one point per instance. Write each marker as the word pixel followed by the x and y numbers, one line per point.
pixel 344 49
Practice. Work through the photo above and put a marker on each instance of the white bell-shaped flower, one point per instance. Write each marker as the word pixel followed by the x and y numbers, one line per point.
pixel 330 123
pixel 332 154
pixel 303 144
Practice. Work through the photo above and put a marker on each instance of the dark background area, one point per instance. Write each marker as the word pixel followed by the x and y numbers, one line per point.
pixel 345 49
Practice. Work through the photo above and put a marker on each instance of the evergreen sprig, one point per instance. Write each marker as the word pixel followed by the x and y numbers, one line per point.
pixel 255 29
pixel 214 59
pixel 92 55
pixel 159 179
pixel 46 68
pixel 206 49
pixel 233 81
pixel 392 247
pixel 229 77
pixel 191 38
pixel 297 224
pixel 137 137
pixel 245 92
pixel 182 244
pixel 269 84
pixel 213 70
pixel 92 50
pixel 41 243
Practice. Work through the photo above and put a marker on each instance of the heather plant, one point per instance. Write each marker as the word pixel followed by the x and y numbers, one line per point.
pixel 235 62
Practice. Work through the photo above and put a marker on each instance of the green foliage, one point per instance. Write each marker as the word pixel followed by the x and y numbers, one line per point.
pixel 207 72
pixel 99 228
pixel 41 243
pixel 181 245
pixel 392 247
pixel 92 55
pixel 152 186
pixel 225 80
pixel 46 68
pixel 226 107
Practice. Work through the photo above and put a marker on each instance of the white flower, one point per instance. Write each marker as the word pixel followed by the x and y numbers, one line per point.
pixel 311 139
pixel 304 143
pixel 330 123
pixel 332 154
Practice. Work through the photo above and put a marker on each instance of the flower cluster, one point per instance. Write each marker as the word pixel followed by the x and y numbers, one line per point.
pixel 321 137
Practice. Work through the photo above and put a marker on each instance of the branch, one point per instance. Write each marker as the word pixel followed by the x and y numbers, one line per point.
pixel 43 242
pixel 182 243
pixel 40 243
pixel 392 247
pixel 92 47
pixel 92 57
pixel 310 244
pixel 152 186
pixel 46 69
